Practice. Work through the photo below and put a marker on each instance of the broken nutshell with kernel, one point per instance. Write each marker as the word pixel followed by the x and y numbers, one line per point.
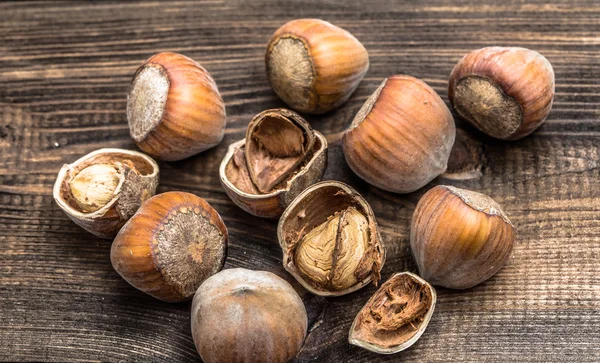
pixel 280 156
pixel 330 240
pixel 172 244
pixel 103 189
pixel 396 316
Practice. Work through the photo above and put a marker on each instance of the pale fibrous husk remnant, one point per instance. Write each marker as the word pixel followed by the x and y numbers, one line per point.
pixel 104 188
pixel 396 316
pixel 330 240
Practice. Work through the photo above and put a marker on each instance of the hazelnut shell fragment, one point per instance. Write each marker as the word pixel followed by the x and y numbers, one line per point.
pixel 136 180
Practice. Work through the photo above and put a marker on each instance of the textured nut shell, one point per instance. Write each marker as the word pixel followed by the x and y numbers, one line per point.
pixel 459 238
pixel 522 74
pixel 240 315
pixel 354 340
pixel 271 205
pixel 289 225
pixel 193 119
pixel 134 252
pixel 131 192
pixel 405 138
pixel 339 62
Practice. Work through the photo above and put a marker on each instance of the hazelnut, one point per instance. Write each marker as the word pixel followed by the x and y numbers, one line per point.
pixel 280 156
pixel 459 238
pixel 396 316
pixel 103 189
pixel 402 136
pixel 330 240
pixel 174 108
pixel 506 93
pixel 240 315
pixel 314 66
pixel 172 244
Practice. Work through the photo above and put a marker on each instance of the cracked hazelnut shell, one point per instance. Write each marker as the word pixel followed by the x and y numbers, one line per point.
pixel 174 108
pixel 314 66
pixel 103 189
pixel 402 136
pixel 459 238
pixel 172 244
pixel 330 240
pixel 280 156
pixel 395 316
pixel 506 93
pixel 240 315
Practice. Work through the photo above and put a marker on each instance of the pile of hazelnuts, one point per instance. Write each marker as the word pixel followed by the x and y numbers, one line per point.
pixel 173 245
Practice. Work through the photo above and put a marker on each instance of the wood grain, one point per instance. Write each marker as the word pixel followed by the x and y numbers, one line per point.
pixel 64 72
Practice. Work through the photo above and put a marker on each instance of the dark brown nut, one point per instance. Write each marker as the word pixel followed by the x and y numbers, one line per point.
pixel 174 108
pixel 396 316
pixel 241 315
pixel 103 189
pixel 330 240
pixel 459 238
pixel 314 66
pixel 506 93
pixel 172 244
pixel 401 138
pixel 280 157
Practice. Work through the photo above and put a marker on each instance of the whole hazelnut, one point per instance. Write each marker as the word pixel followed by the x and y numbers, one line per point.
pixel 240 315
pixel 402 136
pixel 459 238
pixel 506 93
pixel 280 156
pixel 330 240
pixel 104 188
pixel 172 244
pixel 395 316
pixel 174 108
pixel 314 66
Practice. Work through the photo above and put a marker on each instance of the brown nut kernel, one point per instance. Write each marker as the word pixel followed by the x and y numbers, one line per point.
pixel 330 240
pixel 396 316
pixel 104 188
pixel 506 93
pixel 281 156
pixel 240 315
pixel 459 238
pixel 402 136
pixel 174 108
pixel 172 244
pixel 314 66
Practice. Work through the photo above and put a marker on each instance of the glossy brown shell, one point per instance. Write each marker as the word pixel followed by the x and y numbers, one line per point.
pixel 143 252
pixel 241 315
pixel 133 189
pixel 401 138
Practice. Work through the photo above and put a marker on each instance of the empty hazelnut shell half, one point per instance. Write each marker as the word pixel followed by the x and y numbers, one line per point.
pixel 241 315
pixel 315 66
pixel 280 156
pixel 459 238
pixel 174 108
pixel 395 316
pixel 505 92
pixel 172 244
pixel 330 240
pixel 104 188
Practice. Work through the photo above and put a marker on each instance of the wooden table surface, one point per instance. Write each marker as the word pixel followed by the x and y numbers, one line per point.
pixel 65 68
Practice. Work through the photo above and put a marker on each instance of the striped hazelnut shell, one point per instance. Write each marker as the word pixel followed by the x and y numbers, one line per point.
pixel 459 238
pixel 315 66
pixel 402 136
pixel 172 244
pixel 138 178
pixel 240 315
pixel 506 93
pixel 174 108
